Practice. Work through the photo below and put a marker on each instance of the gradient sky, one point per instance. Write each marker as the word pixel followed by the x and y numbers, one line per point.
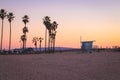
pixel 97 20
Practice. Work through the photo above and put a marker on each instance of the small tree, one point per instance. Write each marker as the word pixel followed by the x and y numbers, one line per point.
pixel 40 40
pixel 35 40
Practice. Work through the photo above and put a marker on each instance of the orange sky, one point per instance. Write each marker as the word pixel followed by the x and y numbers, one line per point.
pixel 93 20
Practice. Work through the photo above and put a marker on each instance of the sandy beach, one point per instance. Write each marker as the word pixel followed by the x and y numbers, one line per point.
pixel 61 66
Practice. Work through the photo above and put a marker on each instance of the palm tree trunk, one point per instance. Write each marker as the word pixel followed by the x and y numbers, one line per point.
pixel 25 41
pixel 54 45
pixel 10 38
pixel 40 46
pixel 23 44
pixel 1 36
pixel 36 46
pixel 45 38
pixel 49 44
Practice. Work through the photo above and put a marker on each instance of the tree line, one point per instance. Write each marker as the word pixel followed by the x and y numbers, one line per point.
pixel 50 28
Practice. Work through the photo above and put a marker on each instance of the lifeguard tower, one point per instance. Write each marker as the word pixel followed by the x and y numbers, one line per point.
pixel 87 46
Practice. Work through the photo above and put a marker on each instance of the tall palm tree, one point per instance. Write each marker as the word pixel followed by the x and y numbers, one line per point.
pixel 2 16
pixel 46 22
pixel 10 17
pixel 40 39
pixel 54 27
pixel 25 29
pixel 34 40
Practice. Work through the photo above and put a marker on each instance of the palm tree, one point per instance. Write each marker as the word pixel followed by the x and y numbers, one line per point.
pixel 54 27
pixel 10 17
pixel 34 40
pixel 23 39
pixel 25 29
pixel 46 22
pixel 2 16
pixel 40 39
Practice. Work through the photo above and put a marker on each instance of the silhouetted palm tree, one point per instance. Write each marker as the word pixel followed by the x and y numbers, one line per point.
pixel 54 27
pixel 25 29
pixel 10 17
pixel 2 16
pixel 23 39
pixel 46 22
pixel 34 40
pixel 40 39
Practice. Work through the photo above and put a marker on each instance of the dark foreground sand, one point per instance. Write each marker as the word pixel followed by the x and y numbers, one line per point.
pixel 61 66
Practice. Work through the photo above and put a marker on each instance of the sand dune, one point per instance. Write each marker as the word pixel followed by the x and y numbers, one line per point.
pixel 61 66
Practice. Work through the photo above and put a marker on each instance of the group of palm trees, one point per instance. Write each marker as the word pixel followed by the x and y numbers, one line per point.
pixel 35 40
pixel 50 27
pixel 10 16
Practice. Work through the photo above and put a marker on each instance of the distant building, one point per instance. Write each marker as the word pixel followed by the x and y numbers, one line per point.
pixel 87 45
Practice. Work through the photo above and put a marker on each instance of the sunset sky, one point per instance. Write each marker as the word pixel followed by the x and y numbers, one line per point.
pixel 97 20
